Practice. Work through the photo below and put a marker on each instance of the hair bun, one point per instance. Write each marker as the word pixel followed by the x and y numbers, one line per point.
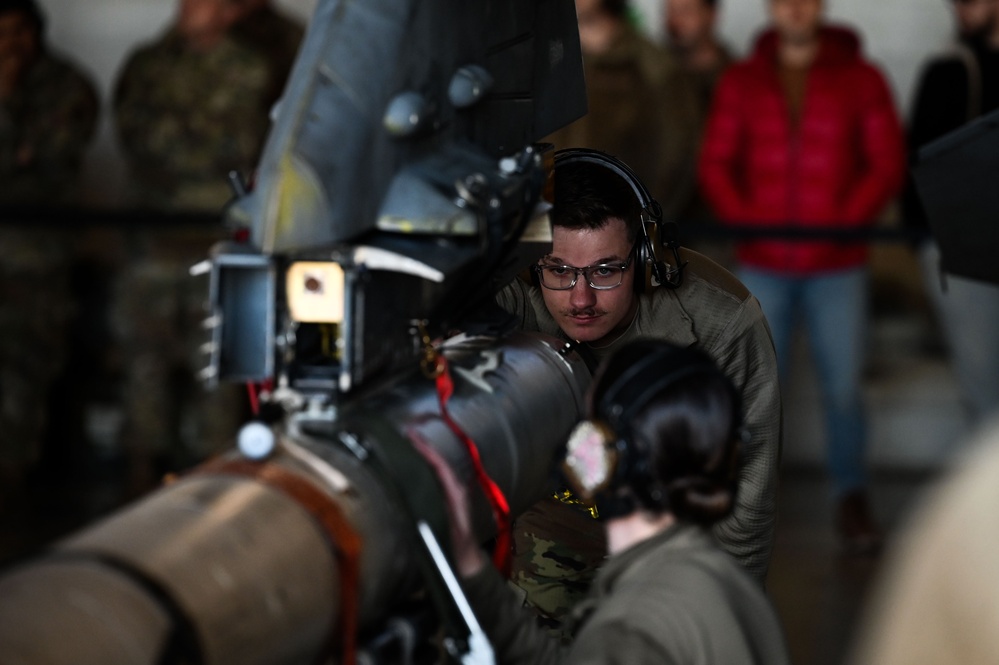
pixel 699 499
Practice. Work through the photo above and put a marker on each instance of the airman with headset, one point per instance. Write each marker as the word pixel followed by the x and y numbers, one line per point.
pixel 616 273
pixel 658 456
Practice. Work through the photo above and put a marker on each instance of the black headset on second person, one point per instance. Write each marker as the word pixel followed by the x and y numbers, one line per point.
pixel 664 234
pixel 627 460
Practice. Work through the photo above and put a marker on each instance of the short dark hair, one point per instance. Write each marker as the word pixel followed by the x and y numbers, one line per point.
pixel 587 195
pixel 687 430
pixel 617 8
pixel 27 7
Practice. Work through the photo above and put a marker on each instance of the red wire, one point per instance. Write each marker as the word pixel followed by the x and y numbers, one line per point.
pixel 497 501
pixel 254 390
pixel 251 390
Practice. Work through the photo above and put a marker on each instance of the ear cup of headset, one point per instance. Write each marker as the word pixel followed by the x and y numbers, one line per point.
pixel 534 277
pixel 647 273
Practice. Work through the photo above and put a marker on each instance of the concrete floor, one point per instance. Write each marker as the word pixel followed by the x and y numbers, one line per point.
pixel 818 590
pixel 916 429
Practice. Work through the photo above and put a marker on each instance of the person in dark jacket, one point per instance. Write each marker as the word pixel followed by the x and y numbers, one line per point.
pixel 658 458
pixel 702 56
pixel 954 88
pixel 804 133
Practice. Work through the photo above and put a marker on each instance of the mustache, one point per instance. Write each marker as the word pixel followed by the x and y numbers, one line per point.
pixel 584 311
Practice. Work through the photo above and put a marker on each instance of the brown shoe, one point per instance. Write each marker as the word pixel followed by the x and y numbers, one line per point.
pixel 857 529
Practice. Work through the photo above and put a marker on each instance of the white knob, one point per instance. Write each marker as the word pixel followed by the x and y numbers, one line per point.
pixel 256 440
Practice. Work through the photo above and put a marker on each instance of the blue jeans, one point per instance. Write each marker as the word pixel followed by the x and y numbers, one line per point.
pixel 833 307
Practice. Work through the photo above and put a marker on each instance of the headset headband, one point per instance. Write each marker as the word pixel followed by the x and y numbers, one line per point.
pixel 635 388
pixel 650 207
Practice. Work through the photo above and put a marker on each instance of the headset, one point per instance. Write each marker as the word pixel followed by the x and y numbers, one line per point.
pixel 603 455
pixel 665 234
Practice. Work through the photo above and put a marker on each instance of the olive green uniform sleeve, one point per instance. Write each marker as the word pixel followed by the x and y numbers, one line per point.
pixel 747 357
pixel 714 311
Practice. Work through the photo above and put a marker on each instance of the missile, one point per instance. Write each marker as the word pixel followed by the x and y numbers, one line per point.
pixel 301 545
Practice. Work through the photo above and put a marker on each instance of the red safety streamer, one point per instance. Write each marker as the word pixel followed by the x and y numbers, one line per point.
pixel 497 501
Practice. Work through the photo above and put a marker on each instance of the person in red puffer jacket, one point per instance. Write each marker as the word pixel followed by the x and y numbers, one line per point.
pixel 804 133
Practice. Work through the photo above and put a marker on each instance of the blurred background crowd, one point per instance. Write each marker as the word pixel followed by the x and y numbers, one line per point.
pixel 101 320
pixel 125 126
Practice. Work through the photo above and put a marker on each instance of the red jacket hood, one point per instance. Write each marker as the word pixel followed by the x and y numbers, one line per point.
pixel 838 44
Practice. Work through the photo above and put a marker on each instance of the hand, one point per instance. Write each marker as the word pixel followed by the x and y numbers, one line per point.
pixel 468 555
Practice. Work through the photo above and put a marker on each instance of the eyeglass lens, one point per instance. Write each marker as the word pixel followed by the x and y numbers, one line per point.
pixel 599 276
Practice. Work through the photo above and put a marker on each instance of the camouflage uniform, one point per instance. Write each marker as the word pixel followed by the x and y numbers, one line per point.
pixel 635 100
pixel 558 547
pixel 278 38
pixel 45 126
pixel 35 310
pixel 185 118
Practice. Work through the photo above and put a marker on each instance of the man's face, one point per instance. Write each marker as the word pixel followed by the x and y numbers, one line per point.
pixel 689 22
pixel 18 42
pixel 597 29
pixel 583 313
pixel 796 21
pixel 204 22
pixel 975 18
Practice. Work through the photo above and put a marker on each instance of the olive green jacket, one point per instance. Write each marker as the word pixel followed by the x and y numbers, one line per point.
pixel 674 598
pixel 712 310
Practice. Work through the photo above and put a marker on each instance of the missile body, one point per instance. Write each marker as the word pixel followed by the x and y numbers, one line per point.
pixel 290 558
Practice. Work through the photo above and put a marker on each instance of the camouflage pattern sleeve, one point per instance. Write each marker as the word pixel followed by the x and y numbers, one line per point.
pixel 558 547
